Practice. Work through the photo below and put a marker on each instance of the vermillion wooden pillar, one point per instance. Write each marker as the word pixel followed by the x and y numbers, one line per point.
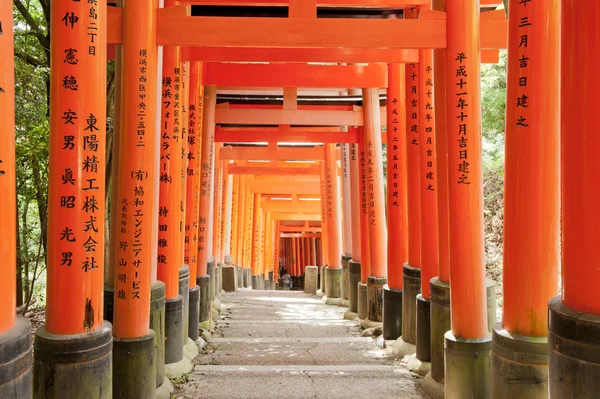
pixel 365 248
pixel 324 254
pixel 249 230
pixel 226 218
pixel 268 251
pixel 354 271
pixel 242 221
pixel 277 252
pixel 469 333
pixel 215 237
pixel 397 217
pixel 346 220
pixel 15 332
pixel 428 197
pixel 76 193
pixel 206 179
pixel 193 156
pixel 439 285
pixel 8 190
pixel 256 224
pixel 376 204
pixel 333 279
pixel 574 369
pixel 235 215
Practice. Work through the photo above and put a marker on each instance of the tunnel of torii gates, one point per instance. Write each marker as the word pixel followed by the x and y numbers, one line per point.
pixel 249 139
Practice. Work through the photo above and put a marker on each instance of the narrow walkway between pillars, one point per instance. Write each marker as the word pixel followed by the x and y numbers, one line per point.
pixel 287 344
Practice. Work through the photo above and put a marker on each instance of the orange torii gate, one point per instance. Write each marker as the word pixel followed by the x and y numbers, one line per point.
pixel 460 33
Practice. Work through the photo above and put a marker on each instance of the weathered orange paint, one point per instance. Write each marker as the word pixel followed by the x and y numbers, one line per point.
pixel 428 173
pixel 169 232
pixel 137 173
pixel 215 238
pixel 323 181
pixel 8 189
pixel 397 216
pixel 76 186
pixel 365 247
pixel 375 193
pixel 355 202
pixel 223 219
pixel 580 160
pixel 441 153
pixel 235 215
pixel 467 265
pixel 256 229
pixel 206 178
pixel 193 154
pixel 332 206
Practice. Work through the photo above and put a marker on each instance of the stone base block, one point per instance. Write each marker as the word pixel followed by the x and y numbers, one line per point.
pixel 174 330
pixel 15 361
pixel 348 315
pixel 417 366
pixel 134 368
pixel 519 365
pixel 433 388
pixel 247 277
pixel 392 313
pixel 574 352
pixel 74 366
pixel 363 312
pixel 228 260
pixel 211 271
pixel 310 280
pixel 193 322
pixel 178 369
pixel 240 274
pixel 256 282
pixel 423 330
pixel 190 350
pixel 345 280
pixel 230 278
pixel 157 324
pixel 468 367
pixel 411 280
pixel 440 323
pixel 402 348
pixel 375 298
pixel 353 280
pixel 344 303
pixel 333 280
pixel 333 301
pixel 367 323
pixel 219 273
pixel 165 390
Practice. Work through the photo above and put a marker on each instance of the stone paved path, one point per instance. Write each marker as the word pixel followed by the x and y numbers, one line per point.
pixel 286 344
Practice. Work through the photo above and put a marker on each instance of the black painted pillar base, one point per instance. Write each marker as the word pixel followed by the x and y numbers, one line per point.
pixel 392 313
pixel 411 287
pixel 256 279
pixel 354 279
pixel 184 291
pixel 157 324
pixel 211 271
pixel 193 324
pixel 440 323
pixel 204 313
pixel 134 368
pixel 109 302
pixel 574 352
pixel 16 378
pixel 75 366
pixel 423 329
pixel 375 298
pixel 174 330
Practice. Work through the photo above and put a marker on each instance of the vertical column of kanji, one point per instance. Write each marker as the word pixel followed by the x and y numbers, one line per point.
pixel 76 194
pixel 169 213
pixel 396 201
pixel 255 245
pixel 184 269
pixel 439 286
pixel 267 232
pixel 411 284
pixel 365 246
pixel 333 280
pixel 354 263
pixel 217 212
pixel 277 244
pixel 429 211
pixel 375 204
pixel 574 320
pixel 469 335
pixel 324 254
pixel 346 221
pixel 196 93
pixel 205 264
pixel 249 232
pixel 243 205
pixel 15 331
pixel 226 215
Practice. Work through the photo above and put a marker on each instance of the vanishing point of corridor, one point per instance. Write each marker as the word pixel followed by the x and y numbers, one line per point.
pixel 288 344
